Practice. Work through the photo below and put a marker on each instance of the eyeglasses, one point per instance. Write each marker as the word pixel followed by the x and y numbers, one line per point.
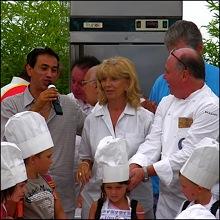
pixel 84 82
pixel 172 53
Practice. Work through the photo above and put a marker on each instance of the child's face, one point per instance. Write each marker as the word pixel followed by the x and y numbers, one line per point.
pixel 188 188
pixel 115 191
pixel 19 191
pixel 44 160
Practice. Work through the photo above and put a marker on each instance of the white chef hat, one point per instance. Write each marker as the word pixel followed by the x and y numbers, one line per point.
pixel 196 211
pixel 29 131
pixel 111 155
pixel 202 167
pixel 13 169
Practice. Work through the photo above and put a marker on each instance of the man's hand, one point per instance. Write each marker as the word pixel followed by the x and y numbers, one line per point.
pixel 132 166
pixel 136 175
pixel 42 104
pixel 44 99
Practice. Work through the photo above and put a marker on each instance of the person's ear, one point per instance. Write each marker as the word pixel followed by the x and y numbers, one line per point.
pixel 199 48
pixel 185 75
pixel 28 69
pixel 34 158
pixel 31 160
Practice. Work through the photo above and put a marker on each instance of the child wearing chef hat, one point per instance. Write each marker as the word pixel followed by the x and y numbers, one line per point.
pixel 30 132
pixel 112 159
pixel 199 174
pixel 13 175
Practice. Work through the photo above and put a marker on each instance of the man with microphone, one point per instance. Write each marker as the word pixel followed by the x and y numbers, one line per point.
pixel 64 118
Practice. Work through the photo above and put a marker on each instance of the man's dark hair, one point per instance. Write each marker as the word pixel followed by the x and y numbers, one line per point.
pixel 86 62
pixel 32 56
pixel 196 65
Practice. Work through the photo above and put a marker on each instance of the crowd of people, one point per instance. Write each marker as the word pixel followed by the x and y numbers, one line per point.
pixel 112 153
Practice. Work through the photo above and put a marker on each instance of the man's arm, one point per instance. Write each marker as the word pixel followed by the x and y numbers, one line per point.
pixel 205 124
pixel 42 104
pixel 148 152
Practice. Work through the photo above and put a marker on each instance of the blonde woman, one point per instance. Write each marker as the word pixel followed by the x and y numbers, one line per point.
pixel 120 115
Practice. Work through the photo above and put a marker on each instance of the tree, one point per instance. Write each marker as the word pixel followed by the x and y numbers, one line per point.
pixel 29 24
pixel 211 46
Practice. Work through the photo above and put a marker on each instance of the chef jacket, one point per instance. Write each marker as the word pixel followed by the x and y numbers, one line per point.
pixel 179 124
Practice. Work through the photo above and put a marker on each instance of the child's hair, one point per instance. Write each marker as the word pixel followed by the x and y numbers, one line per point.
pixel 103 194
pixel 7 193
pixel 27 159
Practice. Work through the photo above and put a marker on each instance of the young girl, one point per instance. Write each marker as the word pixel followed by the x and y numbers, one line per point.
pixel 114 203
pixel 13 176
pixel 30 132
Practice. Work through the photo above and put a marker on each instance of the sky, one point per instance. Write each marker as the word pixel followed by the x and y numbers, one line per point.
pixel 197 12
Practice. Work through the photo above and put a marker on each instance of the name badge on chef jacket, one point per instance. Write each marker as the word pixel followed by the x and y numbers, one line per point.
pixel 184 122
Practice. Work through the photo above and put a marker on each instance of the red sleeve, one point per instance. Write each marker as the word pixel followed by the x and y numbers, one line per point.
pixel 14 91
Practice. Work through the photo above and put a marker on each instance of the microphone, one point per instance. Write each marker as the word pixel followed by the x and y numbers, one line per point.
pixel 56 103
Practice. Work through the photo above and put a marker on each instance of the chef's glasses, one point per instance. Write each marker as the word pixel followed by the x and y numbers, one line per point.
pixel 172 53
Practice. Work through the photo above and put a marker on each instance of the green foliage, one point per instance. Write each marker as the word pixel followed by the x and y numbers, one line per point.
pixel 211 46
pixel 29 24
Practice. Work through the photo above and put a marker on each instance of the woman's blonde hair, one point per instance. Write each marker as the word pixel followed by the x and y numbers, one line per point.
pixel 119 67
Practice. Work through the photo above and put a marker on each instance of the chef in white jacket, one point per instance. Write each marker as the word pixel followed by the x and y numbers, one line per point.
pixel 182 119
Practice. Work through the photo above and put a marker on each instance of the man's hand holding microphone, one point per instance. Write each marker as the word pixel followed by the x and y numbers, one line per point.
pixel 42 104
